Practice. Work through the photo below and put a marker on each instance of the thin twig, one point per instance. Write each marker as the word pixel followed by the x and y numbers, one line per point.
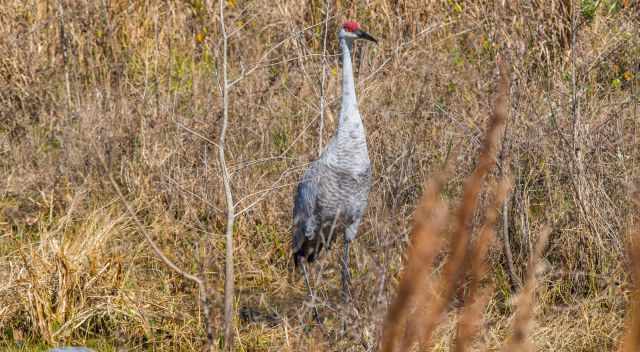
pixel 504 168
pixel 65 54
pixel 197 134
pixel 244 74
pixel 519 339
pixel 324 76
pixel 515 280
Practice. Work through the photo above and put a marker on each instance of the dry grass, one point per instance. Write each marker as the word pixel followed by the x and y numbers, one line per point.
pixel 401 325
pixel 421 305
pixel 139 81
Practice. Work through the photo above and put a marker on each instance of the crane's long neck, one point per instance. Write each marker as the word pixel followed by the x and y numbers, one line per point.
pixel 349 107
pixel 349 145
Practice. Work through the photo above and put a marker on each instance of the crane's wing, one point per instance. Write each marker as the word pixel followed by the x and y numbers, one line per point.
pixel 304 208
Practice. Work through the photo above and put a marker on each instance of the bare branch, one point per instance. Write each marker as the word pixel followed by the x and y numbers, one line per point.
pixel 142 229
pixel 229 274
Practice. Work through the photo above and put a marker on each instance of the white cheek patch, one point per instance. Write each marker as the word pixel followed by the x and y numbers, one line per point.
pixel 351 35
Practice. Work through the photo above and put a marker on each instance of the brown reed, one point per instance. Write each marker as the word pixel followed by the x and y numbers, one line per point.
pixel 425 242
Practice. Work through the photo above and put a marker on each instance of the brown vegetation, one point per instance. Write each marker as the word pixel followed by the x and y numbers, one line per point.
pixel 412 292
pixel 136 84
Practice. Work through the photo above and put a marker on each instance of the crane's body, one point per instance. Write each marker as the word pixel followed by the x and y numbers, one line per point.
pixel 332 195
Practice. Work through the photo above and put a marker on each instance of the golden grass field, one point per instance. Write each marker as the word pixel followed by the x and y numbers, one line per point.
pixel 136 84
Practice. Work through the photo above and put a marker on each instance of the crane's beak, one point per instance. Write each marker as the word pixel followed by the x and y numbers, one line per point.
pixel 364 35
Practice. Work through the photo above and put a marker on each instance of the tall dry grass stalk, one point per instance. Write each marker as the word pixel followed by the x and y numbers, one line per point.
pixel 429 221
pixel 476 296
pixel 424 309
pixel 631 339
pixel 414 316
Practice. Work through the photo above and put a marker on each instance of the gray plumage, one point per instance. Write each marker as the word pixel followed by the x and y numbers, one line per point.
pixel 333 192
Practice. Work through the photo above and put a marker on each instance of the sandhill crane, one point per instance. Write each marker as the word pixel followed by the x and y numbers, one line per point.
pixel 334 189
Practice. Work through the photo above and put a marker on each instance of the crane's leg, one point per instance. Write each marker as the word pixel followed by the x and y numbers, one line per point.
pixel 346 275
pixel 312 295
pixel 346 278
pixel 349 235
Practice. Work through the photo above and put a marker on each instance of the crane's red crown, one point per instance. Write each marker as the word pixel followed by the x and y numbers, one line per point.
pixel 351 26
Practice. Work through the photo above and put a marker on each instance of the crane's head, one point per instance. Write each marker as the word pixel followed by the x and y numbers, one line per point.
pixel 351 30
